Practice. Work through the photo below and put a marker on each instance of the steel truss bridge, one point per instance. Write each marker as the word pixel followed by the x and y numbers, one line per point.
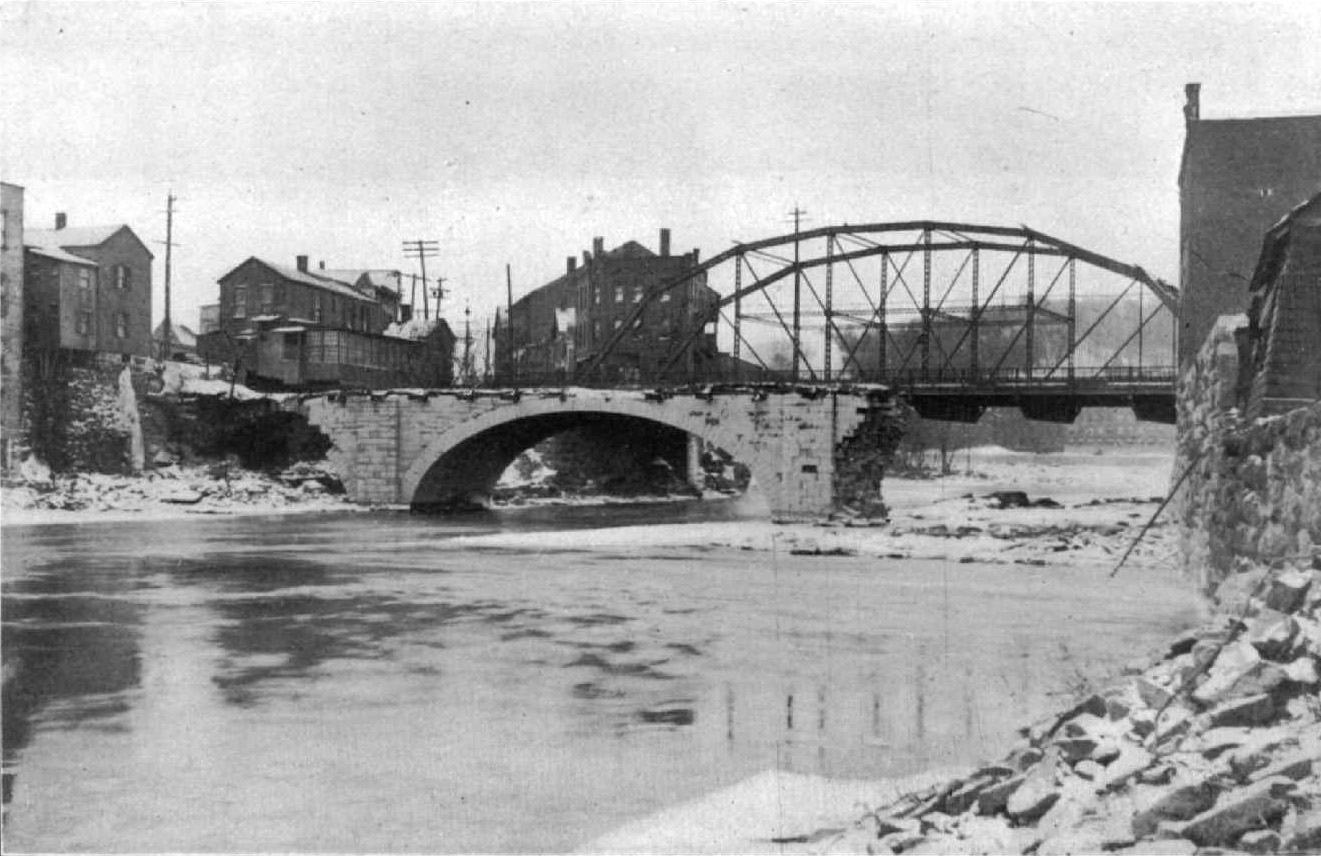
pixel 960 317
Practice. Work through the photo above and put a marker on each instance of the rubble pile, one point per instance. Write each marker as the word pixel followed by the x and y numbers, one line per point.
pixel 215 488
pixel 1215 746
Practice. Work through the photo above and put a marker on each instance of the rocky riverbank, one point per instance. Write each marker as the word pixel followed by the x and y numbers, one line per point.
pixel 168 491
pixel 1214 747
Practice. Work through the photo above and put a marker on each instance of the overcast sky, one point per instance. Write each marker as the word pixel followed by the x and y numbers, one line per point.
pixel 515 132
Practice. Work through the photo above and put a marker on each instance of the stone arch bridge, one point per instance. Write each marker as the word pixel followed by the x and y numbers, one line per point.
pixel 811 450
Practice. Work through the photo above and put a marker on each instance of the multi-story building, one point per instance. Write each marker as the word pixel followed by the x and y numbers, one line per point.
pixel 294 327
pixel 11 322
pixel 561 326
pixel 1237 179
pixel 87 289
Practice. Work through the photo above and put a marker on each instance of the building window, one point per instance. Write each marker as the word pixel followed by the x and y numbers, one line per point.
pixel 596 294
pixel 637 294
pixel 619 294
pixel 121 325
pixel 618 323
pixel 596 329
pixel 316 308
pixel 267 297
pixel 122 276
pixel 84 278
pixel 240 301
pixel 665 298
pixel 291 346
pixel 83 323
pixel 4 228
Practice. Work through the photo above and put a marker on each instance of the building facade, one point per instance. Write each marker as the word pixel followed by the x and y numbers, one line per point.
pixel 1237 179
pixel 556 330
pixel 296 328
pixel 87 289
pixel 11 322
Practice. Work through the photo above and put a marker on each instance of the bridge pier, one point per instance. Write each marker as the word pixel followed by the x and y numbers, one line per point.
pixel 813 451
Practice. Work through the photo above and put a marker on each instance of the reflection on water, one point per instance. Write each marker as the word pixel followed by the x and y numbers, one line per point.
pixel 352 683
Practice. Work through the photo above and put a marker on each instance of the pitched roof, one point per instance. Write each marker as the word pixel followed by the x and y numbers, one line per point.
pixel 293 274
pixel 58 255
pixel 180 333
pixel 630 250
pixel 78 236
pixel 1276 243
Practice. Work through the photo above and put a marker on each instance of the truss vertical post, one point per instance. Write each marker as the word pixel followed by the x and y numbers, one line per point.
pixel 1142 314
pixel 830 304
pixel 926 304
pixel 738 318
pixel 1073 314
pixel 880 315
pixel 1031 305
pixel 976 312
pixel 798 299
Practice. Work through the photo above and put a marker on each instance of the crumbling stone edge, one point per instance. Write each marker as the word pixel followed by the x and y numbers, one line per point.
pixel 1213 746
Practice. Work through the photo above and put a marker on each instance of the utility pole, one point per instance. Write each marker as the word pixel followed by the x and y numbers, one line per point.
pixel 797 214
pixel 509 323
pixel 467 346
pixel 440 292
pixel 486 364
pixel 169 245
pixel 422 250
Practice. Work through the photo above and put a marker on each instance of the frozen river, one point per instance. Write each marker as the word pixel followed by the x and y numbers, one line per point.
pixel 386 683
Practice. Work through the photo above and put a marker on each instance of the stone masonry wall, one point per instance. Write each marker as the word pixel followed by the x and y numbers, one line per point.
pixel 1254 490
pixel 384 444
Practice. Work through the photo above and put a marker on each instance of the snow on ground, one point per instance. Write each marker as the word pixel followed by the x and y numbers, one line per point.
pixel 1105 501
pixel 772 812
pixel 165 493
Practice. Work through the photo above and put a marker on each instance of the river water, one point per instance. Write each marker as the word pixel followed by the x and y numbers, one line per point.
pixel 377 683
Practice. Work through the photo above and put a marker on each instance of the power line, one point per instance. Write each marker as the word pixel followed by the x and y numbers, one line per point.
pixel 422 250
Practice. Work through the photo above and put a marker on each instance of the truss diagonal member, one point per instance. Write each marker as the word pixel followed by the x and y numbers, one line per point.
pixel 1094 325
pixel 977 311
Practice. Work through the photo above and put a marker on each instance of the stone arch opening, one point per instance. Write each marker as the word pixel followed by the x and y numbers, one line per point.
pixel 461 467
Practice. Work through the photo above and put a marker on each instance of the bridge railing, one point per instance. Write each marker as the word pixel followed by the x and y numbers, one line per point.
pixel 982 380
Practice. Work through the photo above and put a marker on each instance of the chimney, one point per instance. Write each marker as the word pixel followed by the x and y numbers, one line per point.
pixel 598 247
pixel 696 254
pixel 1192 108
pixel 665 242
pixel 302 264
pixel 587 257
pixel 570 264
pixel 61 220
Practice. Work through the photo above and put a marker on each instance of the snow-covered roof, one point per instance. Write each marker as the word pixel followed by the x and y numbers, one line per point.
pixel 59 255
pixel 72 236
pixel 415 328
pixel 180 333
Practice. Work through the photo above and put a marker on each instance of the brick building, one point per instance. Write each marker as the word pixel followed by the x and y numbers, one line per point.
pixel 11 321
pixel 87 289
pixel 292 327
pixel 565 323
pixel 1237 179
pixel 1283 366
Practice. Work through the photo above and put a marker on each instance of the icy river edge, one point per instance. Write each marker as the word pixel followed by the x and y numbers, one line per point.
pixel 1100 502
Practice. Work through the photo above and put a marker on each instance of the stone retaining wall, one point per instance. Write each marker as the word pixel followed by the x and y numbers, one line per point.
pixel 1254 490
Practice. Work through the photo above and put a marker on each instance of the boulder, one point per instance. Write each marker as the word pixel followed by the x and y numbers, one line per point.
pixel 1260 841
pixel 1236 661
pixel 995 798
pixel 1287 591
pixel 1240 811
pixel 1273 634
pixel 1038 792
pixel 1179 802
pixel 1254 710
